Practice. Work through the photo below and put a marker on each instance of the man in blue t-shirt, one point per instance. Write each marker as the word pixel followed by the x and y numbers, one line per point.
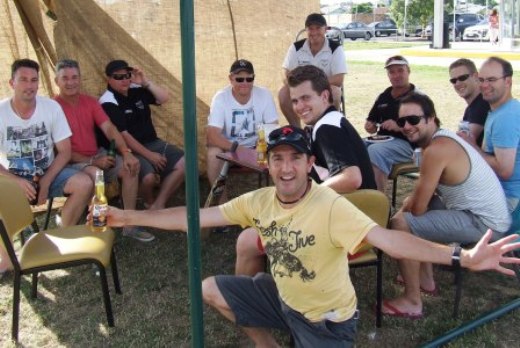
pixel 502 130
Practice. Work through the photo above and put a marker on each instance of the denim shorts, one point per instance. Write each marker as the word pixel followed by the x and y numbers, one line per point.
pixel 385 155
pixel 255 302
pixel 59 182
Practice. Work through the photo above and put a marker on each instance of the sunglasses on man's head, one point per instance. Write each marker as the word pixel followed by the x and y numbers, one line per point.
pixel 120 77
pixel 281 136
pixel 242 79
pixel 460 78
pixel 413 120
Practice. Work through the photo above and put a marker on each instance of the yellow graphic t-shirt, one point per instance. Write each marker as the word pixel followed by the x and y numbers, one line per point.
pixel 307 247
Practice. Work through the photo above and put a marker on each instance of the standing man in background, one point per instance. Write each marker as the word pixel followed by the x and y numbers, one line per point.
pixel 319 51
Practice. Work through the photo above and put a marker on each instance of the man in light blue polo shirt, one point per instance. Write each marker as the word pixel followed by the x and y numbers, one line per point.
pixel 502 130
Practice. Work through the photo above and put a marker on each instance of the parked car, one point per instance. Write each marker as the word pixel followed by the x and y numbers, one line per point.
pixel 386 27
pixel 462 21
pixel 479 32
pixel 357 30
pixel 335 34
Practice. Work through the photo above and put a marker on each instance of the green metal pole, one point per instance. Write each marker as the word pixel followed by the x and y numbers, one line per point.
pixel 452 334
pixel 192 172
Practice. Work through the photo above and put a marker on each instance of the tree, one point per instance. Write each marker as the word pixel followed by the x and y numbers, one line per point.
pixel 365 7
pixel 418 12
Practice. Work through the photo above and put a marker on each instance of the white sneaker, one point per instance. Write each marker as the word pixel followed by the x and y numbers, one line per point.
pixel 137 233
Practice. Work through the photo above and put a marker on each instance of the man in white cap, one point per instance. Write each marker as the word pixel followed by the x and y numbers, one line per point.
pixel 382 120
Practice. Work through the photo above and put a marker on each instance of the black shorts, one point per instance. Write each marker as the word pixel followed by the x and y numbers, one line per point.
pixel 255 303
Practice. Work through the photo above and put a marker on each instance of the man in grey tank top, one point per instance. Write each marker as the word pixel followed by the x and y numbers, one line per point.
pixel 456 199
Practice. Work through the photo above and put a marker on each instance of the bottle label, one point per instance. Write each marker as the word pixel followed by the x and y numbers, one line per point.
pixel 99 215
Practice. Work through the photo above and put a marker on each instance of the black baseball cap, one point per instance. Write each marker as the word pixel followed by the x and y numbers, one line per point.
pixel 289 135
pixel 116 65
pixel 315 18
pixel 242 65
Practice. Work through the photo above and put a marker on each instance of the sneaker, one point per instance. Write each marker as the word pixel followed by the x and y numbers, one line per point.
pixel 137 233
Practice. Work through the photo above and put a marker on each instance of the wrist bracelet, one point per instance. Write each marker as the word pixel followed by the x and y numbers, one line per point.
pixel 91 161
pixel 455 257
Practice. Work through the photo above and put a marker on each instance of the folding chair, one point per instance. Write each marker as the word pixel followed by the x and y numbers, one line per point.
pixel 376 206
pixel 51 249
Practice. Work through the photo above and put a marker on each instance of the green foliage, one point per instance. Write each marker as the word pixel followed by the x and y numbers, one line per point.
pixel 365 7
pixel 418 12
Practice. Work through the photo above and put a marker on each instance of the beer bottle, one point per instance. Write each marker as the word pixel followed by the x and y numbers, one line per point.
pixel 36 184
pixel 261 146
pixel 99 205
pixel 112 149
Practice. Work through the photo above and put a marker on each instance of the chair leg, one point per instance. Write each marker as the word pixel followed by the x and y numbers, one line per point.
pixel 115 273
pixel 106 294
pixel 457 280
pixel 394 190
pixel 379 288
pixel 48 214
pixel 34 291
pixel 16 305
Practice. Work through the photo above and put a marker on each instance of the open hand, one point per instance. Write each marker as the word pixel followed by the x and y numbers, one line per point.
pixel 490 256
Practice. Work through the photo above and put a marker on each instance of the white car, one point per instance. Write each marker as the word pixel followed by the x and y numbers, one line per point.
pixel 479 32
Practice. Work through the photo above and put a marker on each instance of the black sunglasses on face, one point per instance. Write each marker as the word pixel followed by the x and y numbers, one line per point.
pixel 460 78
pixel 413 120
pixel 120 77
pixel 242 79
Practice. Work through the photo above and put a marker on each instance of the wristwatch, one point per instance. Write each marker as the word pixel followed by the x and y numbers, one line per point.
pixel 455 257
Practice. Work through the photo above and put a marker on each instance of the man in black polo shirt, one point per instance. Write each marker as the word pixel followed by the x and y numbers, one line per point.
pixel 464 78
pixel 384 153
pixel 342 161
pixel 127 103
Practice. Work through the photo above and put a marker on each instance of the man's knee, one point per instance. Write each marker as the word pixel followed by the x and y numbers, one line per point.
pixel 210 291
pixel 398 222
pixel 180 164
pixel 80 182
pixel 247 244
pixel 150 180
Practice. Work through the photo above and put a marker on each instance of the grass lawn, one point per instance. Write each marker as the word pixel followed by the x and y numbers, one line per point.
pixel 153 310
pixel 361 44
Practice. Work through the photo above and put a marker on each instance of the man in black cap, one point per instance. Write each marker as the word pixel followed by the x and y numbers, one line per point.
pixel 316 50
pixel 307 231
pixel 127 102
pixel 235 113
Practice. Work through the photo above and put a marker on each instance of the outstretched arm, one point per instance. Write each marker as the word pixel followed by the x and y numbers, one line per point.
pixel 484 256
pixel 166 219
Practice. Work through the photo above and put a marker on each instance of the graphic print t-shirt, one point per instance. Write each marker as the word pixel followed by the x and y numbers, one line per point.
pixel 27 146
pixel 307 247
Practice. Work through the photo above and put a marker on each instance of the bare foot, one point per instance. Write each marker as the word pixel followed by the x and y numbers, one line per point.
pixel 402 307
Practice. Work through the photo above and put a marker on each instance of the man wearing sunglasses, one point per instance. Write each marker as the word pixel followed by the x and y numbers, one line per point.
pixel 85 116
pixel 456 199
pixel 319 51
pixel 342 161
pixel 464 78
pixel 127 102
pixel 307 230
pixel 235 113
pixel 382 118
pixel 501 147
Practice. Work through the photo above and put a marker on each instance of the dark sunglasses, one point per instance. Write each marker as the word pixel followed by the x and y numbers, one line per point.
pixel 120 77
pixel 413 120
pixel 460 78
pixel 242 79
